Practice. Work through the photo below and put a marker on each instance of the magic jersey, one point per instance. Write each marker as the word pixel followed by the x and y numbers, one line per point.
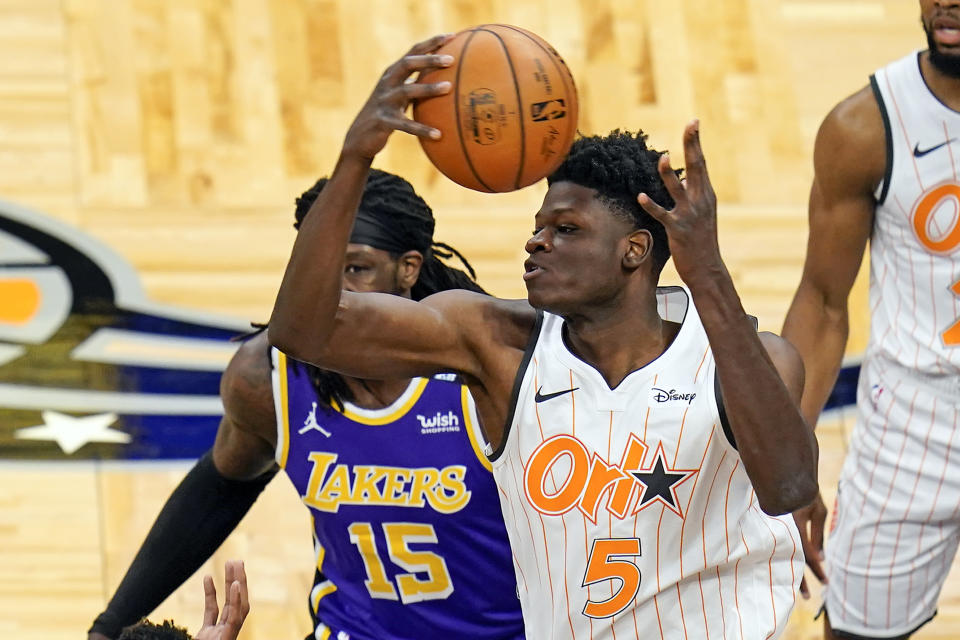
pixel 409 539
pixel 914 262
pixel 629 510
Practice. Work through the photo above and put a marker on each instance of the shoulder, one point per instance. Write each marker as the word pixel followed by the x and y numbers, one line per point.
pixel 786 359
pixel 246 386
pixel 851 142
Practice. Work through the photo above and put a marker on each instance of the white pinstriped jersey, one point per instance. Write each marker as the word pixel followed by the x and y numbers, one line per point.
pixel 914 262
pixel 628 510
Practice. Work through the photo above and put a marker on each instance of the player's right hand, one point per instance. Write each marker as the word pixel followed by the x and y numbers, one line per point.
pixel 810 521
pixel 385 109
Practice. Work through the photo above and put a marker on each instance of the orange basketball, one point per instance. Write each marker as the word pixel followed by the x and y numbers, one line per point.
pixel 511 114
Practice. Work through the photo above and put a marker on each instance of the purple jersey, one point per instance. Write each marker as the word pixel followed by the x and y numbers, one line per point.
pixel 409 539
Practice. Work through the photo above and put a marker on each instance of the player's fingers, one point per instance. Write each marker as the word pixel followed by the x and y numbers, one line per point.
pixel 210 608
pixel 241 581
pixel 670 179
pixel 430 44
pixel 412 127
pixel 696 164
pixel 655 210
pixel 415 90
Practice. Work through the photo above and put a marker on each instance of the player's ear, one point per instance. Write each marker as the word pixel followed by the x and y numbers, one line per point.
pixel 639 249
pixel 408 269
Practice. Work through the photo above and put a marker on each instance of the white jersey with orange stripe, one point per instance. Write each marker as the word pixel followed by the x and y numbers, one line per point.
pixel 628 509
pixel 914 262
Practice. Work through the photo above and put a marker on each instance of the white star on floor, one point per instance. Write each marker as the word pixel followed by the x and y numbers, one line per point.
pixel 71 433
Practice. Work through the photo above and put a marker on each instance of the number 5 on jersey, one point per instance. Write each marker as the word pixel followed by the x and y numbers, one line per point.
pixel 601 566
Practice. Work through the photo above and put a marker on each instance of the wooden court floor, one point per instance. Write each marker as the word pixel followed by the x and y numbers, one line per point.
pixel 178 132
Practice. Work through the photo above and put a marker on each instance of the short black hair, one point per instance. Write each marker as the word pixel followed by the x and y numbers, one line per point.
pixel 620 166
pixel 146 630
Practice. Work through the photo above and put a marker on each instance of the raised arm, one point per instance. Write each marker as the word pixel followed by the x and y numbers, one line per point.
pixel 778 450
pixel 849 162
pixel 312 319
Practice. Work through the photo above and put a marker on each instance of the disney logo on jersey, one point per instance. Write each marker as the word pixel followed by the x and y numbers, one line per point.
pixel 439 423
pixel 331 486
pixel 582 479
pixel 671 395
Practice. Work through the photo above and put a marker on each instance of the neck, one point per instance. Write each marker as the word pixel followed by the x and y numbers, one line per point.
pixel 375 394
pixel 945 87
pixel 619 339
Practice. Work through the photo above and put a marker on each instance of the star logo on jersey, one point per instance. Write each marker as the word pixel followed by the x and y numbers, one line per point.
pixel 660 483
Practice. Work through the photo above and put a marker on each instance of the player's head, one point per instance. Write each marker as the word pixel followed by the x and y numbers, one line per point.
pixel 591 234
pixel 391 248
pixel 941 23
pixel 146 630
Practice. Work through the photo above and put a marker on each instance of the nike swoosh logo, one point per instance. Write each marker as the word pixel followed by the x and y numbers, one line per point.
pixel 549 396
pixel 918 153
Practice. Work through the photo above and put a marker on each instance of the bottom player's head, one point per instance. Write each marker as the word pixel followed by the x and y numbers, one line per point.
pixel 941 23
pixel 592 237
pixel 146 630
pixel 391 246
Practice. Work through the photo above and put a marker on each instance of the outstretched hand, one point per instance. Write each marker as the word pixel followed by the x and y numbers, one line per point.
pixel 236 606
pixel 692 223
pixel 385 109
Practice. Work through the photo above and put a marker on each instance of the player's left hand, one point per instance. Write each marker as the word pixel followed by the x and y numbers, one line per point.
pixel 810 522
pixel 692 223
pixel 235 607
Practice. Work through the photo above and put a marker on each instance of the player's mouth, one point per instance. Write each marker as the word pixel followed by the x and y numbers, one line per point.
pixel 946 31
pixel 531 270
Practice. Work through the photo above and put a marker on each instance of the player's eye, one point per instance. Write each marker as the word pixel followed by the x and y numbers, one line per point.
pixel 566 228
pixel 354 269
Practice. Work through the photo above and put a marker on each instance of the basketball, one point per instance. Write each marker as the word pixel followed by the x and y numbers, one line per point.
pixel 511 113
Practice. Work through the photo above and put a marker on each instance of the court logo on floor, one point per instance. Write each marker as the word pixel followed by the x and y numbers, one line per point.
pixel 89 367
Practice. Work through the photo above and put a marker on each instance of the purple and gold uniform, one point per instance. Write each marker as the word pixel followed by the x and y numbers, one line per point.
pixel 409 538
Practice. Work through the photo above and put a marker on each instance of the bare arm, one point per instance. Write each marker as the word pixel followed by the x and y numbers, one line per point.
pixel 778 450
pixel 849 161
pixel 310 311
pixel 247 437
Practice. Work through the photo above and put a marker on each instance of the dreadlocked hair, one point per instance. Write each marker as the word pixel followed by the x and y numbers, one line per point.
pixel 620 166
pixel 390 197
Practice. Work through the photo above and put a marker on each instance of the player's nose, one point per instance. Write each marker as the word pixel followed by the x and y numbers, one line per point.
pixel 539 241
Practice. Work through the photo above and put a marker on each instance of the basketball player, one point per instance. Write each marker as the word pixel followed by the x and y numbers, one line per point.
pixel 641 437
pixel 236 606
pixel 886 170
pixel 392 472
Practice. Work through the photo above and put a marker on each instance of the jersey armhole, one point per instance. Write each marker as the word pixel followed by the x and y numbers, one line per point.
pixel 279 378
pixel 884 185
pixel 517 383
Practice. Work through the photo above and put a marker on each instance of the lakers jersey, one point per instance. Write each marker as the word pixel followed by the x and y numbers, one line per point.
pixel 914 263
pixel 629 510
pixel 407 528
